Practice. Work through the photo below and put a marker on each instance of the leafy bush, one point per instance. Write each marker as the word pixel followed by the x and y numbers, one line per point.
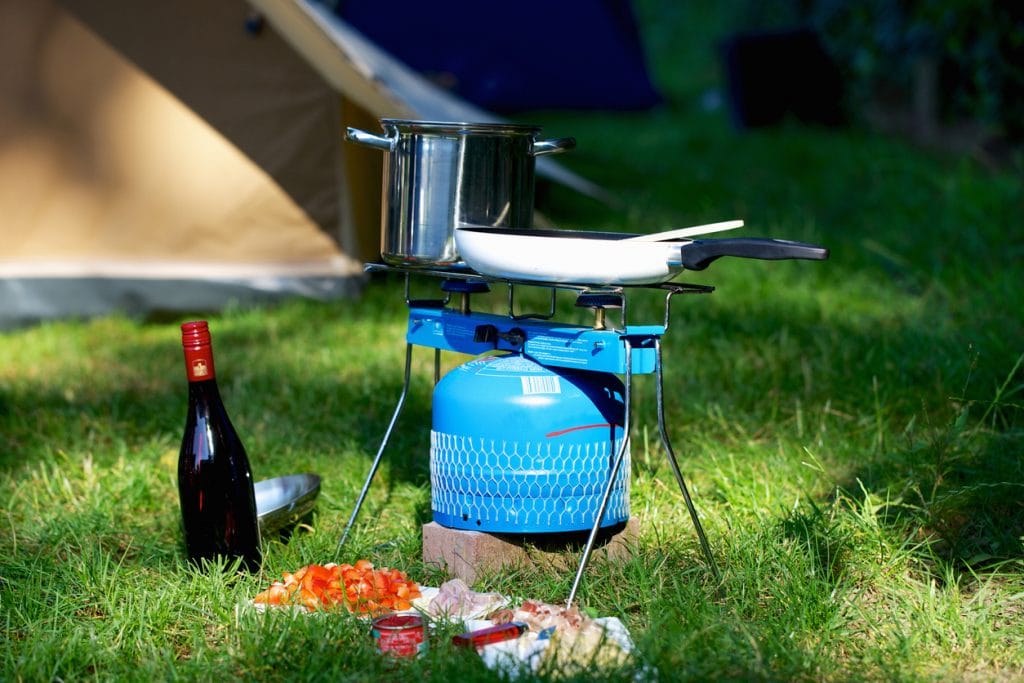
pixel 978 48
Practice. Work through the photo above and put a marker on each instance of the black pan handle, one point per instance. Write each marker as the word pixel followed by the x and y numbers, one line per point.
pixel 699 254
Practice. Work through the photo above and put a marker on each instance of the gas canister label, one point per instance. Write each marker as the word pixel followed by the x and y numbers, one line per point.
pixel 540 384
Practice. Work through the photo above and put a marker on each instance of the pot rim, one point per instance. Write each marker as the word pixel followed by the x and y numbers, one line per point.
pixel 459 127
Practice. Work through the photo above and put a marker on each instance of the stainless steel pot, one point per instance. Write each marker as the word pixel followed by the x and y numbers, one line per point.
pixel 440 175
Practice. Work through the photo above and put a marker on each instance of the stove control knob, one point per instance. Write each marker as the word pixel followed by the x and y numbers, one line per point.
pixel 515 337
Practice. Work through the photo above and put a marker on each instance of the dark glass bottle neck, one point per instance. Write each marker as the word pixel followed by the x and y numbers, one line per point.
pixel 205 391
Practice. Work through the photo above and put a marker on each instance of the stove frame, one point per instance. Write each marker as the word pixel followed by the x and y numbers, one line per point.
pixel 627 350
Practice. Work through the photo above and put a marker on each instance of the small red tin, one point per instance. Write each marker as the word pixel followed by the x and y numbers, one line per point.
pixel 400 635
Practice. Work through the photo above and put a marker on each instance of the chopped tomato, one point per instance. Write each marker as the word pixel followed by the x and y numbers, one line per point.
pixel 308 599
pixel 360 588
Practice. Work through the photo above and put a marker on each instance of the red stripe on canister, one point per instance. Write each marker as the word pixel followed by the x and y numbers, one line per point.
pixel 576 429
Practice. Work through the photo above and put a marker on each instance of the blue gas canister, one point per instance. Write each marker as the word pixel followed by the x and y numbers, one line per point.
pixel 517 447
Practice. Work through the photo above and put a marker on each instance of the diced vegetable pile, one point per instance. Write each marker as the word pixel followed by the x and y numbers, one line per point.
pixel 359 588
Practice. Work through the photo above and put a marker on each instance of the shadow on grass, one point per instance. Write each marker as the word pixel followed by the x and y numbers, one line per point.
pixel 752 356
pixel 344 402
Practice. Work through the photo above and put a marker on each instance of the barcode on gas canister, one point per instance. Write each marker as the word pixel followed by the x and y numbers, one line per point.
pixel 540 384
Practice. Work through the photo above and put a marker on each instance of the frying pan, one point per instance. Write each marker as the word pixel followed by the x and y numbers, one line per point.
pixel 607 258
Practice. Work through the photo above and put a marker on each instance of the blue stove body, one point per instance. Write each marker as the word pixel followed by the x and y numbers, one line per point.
pixel 520 447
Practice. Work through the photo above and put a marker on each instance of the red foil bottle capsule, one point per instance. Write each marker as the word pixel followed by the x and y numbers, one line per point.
pixel 491 635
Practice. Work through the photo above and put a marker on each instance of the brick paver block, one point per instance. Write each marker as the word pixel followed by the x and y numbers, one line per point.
pixel 470 554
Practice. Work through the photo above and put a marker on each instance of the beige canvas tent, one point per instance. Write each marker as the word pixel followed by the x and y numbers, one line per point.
pixel 182 154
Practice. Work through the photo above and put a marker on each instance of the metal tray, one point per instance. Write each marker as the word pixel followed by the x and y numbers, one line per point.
pixel 284 500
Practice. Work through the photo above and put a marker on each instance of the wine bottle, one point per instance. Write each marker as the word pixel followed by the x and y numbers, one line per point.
pixel 215 487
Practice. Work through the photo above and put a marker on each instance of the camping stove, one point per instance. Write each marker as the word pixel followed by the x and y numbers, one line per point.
pixel 532 435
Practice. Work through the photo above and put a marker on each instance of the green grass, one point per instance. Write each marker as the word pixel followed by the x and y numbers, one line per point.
pixel 852 431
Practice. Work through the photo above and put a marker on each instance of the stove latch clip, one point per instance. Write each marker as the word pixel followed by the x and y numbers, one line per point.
pixel 489 334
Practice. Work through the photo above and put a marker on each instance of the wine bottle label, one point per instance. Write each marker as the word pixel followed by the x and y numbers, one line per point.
pixel 195 339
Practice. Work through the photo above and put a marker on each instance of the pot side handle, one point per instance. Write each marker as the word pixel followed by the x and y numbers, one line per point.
pixel 699 254
pixel 361 137
pixel 554 146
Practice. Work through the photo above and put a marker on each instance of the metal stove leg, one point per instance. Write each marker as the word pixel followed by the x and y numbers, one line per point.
pixel 383 445
pixel 619 457
pixel 675 467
